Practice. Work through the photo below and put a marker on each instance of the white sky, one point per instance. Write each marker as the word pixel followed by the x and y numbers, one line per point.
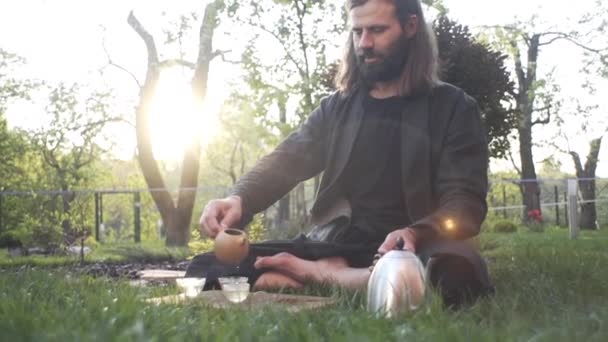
pixel 61 40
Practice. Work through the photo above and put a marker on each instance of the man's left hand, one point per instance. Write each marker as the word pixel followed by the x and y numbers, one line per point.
pixel 409 240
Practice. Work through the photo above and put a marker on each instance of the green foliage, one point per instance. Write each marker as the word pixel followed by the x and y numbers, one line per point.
pixel 12 87
pixel 535 227
pixel 43 230
pixel 73 139
pixel 256 230
pixel 505 226
pixel 48 237
pixel 91 242
pixel 10 239
pixel 482 73
pixel 301 32
pixel 240 144
pixel 200 246
pixel 154 251
pixel 438 5
pixel 68 147
pixel 13 143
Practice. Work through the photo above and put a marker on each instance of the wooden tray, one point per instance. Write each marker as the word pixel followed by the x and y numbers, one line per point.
pixel 256 300
pixel 167 275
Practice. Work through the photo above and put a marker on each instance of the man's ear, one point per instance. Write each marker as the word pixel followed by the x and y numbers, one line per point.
pixel 411 26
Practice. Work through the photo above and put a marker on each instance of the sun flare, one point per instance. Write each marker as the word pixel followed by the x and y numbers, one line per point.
pixel 175 120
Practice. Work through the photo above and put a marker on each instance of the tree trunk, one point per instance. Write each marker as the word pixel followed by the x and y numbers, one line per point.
pixel 66 224
pixel 283 213
pixel 301 207
pixel 525 98
pixel 530 189
pixel 176 218
pixel 586 184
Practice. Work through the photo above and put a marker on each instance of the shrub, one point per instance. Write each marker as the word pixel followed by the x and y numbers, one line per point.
pixel 257 230
pixel 10 240
pixel 536 227
pixel 505 226
pixel 91 242
pixel 47 237
pixel 200 246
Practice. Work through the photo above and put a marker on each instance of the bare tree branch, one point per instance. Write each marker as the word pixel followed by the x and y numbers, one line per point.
pixel 513 163
pixel 289 56
pixel 301 12
pixel 571 39
pixel 577 163
pixel 546 119
pixel 224 59
pixel 146 37
pixel 112 63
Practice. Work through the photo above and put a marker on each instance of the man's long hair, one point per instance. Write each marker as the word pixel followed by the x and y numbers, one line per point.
pixel 419 75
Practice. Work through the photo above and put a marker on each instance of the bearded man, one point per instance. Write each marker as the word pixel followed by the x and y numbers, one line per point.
pixel 403 156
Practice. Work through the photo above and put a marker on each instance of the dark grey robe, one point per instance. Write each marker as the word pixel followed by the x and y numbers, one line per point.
pixel 444 162
pixel 444 171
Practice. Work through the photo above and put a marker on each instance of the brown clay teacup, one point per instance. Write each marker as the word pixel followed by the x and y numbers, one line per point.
pixel 231 246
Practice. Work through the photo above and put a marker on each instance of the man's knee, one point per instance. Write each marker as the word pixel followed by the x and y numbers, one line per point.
pixel 455 279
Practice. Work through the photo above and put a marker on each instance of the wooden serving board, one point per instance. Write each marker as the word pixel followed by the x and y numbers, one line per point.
pixel 256 300
pixel 160 274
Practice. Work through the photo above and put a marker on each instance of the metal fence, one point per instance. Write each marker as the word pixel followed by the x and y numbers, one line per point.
pixel 505 199
pixel 113 215
pixel 108 215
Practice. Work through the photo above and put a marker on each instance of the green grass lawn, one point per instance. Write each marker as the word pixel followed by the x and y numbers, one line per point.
pixel 115 253
pixel 549 288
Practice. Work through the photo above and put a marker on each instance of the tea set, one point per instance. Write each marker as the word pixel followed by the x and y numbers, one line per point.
pixel 396 284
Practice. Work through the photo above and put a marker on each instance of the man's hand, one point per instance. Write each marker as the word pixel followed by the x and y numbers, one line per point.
pixel 409 240
pixel 220 214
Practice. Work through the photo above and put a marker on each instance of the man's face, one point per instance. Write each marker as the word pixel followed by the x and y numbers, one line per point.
pixel 380 42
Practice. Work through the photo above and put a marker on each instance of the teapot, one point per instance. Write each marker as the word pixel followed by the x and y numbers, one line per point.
pixel 397 283
pixel 231 246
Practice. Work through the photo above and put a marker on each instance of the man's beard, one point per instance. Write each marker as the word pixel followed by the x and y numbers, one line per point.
pixel 389 65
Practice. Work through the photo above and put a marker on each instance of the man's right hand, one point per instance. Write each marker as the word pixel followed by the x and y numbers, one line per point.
pixel 220 214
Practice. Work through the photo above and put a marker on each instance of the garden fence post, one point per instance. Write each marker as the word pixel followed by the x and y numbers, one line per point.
pixel 504 201
pixel 137 216
pixel 102 228
pixel 1 213
pixel 97 221
pixel 572 207
pixel 556 206
pixel 566 207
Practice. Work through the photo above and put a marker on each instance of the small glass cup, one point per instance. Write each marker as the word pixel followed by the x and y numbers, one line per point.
pixel 232 280
pixel 236 292
pixel 191 286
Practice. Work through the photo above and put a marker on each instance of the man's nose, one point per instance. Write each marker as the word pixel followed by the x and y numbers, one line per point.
pixel 366 41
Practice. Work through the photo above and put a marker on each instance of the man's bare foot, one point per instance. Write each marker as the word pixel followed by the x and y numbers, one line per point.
pixel 275 280
pixel 303 270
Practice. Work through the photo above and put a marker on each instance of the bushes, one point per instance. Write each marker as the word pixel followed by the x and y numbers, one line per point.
pixel 10 240
pixel 505 226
